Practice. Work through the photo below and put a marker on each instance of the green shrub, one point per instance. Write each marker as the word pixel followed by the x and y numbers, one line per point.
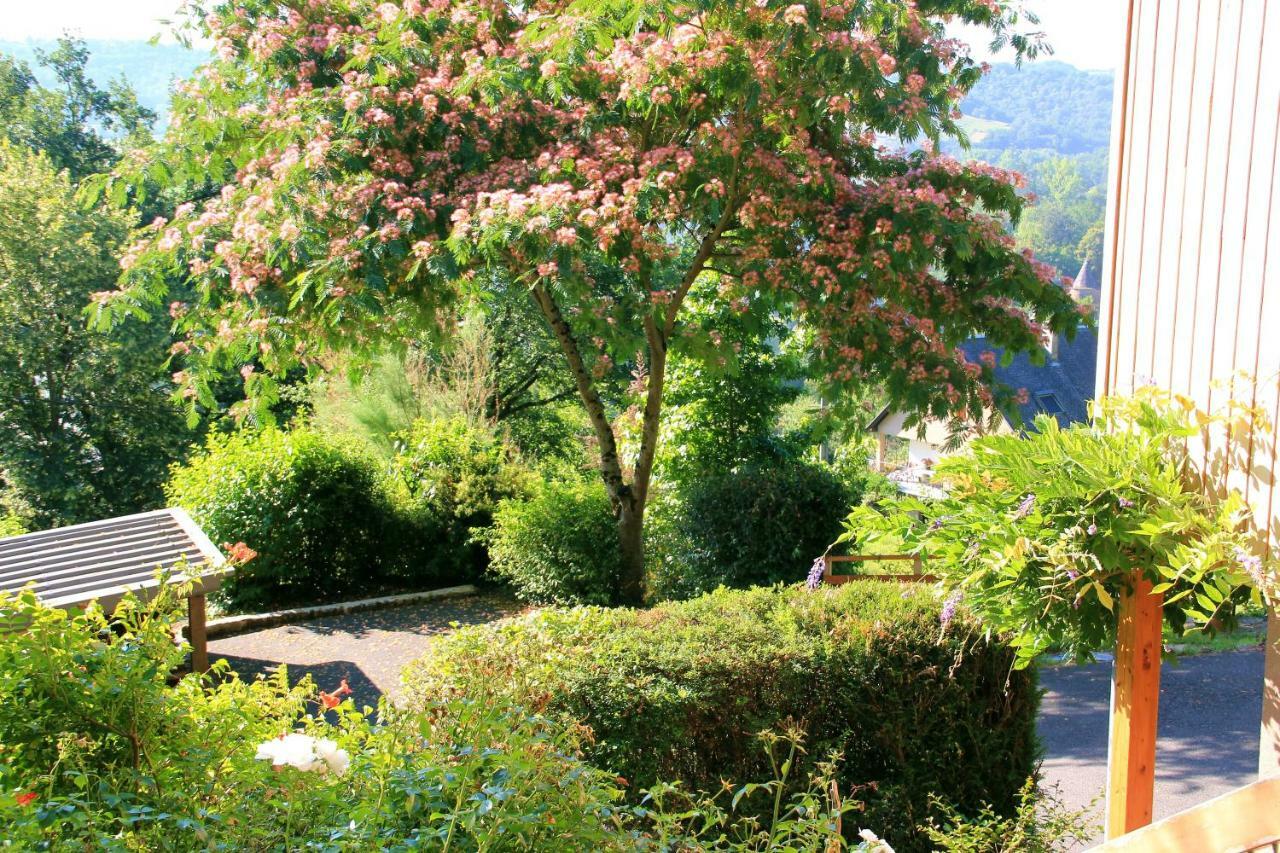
pixel 452 475
pixel 754 526
pixel 112 758
pixel 560 546
pixel 1043 823
pixel 11 525
pixel 311 505
pixel 678 692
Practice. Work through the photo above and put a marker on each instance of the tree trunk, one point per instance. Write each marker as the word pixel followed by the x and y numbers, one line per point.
pixel 631 551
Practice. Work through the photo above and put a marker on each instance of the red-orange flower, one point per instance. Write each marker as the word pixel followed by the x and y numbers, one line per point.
pixel 239 553
pixel 25 799
pixel 329 701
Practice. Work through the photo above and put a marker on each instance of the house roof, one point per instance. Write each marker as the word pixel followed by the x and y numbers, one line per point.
pixel 1060 387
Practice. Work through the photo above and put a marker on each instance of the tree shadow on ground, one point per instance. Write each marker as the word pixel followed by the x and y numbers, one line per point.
pixel 1209 718
pixel 326 676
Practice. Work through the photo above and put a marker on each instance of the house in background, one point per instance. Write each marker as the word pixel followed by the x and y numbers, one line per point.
pixel 1060 387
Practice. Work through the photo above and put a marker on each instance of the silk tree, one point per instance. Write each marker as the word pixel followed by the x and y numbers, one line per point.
pixel 378 164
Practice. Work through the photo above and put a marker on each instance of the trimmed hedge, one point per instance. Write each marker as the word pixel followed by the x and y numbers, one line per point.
pixel 754 526
pixel 679 692
pixel 558 547
pixel 310 504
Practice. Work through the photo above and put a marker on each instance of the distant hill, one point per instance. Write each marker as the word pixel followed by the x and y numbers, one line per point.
pixel 1042 105
pixel 151 69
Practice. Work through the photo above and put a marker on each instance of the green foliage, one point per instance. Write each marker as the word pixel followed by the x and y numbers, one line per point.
pixel 86 430
pixel 1041 533
pixel 453 475
pixel 404 169
pixel 1042 824
pixel 78 126
pixel 311 505
pixel 100 752
pixel 497 369
pixel 723 408
pixel 751 526
pixel 11 525
pixel 559 546
pixel 678 693
pixel 1064 227
pixel 149 67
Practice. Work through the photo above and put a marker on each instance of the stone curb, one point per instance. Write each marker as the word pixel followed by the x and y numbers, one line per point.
pixel 229 625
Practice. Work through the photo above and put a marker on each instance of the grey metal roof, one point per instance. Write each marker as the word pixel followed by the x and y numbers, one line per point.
pixel 1069 378
pixel 101 560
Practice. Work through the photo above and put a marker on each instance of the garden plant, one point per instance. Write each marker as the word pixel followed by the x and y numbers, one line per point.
pixel 919 705
pixel 101 752
pixel 1039 534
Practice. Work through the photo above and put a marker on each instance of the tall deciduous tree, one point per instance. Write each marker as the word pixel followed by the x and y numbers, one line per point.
pixel 379 161
pixel 86 426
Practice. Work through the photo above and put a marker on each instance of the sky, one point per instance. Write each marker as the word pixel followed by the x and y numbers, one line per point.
pixel 1085 33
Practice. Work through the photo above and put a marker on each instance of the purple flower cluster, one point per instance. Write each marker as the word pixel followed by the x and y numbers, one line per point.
pixel 1252 564
pixel 1024 508
pixel 1125 503
pixel 816 571
pixel 949 607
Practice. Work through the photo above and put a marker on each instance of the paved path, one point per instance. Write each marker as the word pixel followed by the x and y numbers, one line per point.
pixel 1210 713
pixel 368 649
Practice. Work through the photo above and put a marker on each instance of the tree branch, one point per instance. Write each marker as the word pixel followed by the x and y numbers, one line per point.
pixel 533 404
pixel 611 466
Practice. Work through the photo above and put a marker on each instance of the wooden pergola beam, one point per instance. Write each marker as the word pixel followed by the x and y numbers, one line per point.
pixel 1269 743
pixel 1135 700
pixel 197 633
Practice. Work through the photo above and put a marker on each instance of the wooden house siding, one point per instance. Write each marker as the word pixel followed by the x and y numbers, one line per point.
pixel 1191 287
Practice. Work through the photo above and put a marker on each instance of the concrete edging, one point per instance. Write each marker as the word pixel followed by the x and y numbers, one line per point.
pixel 228 625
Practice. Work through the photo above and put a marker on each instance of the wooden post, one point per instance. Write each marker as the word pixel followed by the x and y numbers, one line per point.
pixel 1269 752
pixel 1135 698
pixel 196 634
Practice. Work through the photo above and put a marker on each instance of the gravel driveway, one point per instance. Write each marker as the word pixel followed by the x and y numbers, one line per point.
pixel 367 649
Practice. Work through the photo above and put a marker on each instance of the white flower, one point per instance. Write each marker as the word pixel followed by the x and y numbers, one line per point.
pixel 305 753
pixel 872 843
pixel 337 759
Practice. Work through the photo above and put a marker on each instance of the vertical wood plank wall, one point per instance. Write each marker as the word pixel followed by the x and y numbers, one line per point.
pixel 1191 285
pixel 1191 281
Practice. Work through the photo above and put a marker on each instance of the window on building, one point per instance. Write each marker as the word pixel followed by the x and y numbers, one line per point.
pixel 1047 402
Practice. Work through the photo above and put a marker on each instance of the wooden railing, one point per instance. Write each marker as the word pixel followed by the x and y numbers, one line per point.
pixel 1246 820
pixel 917 576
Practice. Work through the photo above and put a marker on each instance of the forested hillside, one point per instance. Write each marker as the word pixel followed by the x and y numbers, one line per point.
pixel 1043 105
pixel 1051 122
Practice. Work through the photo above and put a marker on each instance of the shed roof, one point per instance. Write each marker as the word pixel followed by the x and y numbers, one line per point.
pixel 102 560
